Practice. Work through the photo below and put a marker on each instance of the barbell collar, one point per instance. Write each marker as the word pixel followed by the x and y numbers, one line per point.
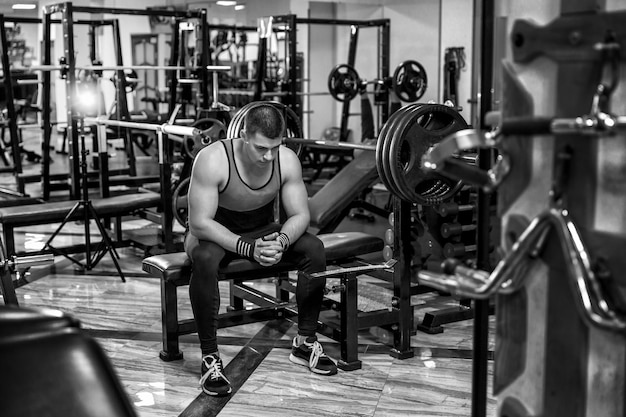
pixel 451 145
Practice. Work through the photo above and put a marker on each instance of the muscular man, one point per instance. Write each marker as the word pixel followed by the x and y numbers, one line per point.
pixel 234 184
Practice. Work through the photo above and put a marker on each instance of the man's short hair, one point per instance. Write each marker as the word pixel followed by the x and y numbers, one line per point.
pixel 266 120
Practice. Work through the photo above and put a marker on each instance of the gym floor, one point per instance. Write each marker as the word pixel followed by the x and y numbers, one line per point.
pixel 125 318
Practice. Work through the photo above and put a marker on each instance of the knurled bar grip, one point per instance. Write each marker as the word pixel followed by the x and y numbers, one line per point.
pixel 351 269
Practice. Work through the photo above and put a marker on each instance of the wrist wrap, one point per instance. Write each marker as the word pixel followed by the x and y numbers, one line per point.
pixel 245 247
pixel 284 240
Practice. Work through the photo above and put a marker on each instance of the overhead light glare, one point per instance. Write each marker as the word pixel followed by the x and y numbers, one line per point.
pixel 226 2
pixel 24 6
pixel 240 7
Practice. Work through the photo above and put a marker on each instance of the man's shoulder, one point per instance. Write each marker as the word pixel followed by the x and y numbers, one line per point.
pixel 212 150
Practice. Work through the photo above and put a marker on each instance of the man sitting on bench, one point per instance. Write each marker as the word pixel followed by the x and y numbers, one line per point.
pixel 234 184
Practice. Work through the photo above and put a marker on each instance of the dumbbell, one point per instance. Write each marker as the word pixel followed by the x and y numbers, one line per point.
pixel 455 250
pixel 389 239
pixel 452 209
pixel 451 229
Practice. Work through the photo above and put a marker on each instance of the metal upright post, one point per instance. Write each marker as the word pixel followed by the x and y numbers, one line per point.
pixel 484 11
pixel 11 111
pixel 345 109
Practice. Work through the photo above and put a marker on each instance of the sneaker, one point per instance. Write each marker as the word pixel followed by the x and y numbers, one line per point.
pixel 213 380
pixel 313 357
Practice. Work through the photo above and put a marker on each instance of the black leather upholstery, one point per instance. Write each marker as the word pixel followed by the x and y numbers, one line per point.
pixel 176 267
pixel 19 320
pixel 50 368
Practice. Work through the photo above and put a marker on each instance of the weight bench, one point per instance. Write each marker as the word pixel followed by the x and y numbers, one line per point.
pixel 55 212
pixel 328 206
pixel 174 270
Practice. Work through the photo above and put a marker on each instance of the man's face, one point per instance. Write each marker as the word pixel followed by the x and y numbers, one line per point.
pixel 260 149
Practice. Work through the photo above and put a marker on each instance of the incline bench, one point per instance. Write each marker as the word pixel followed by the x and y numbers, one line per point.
pixel 327 205
pixel 55 212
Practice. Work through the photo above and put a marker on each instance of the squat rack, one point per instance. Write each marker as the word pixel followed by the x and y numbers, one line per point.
pixel 289 24
pixel 67 11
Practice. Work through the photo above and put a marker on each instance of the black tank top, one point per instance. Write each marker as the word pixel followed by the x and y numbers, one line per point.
pixel 242 208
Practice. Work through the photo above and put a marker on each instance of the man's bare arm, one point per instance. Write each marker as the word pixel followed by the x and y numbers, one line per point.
pixel 294 196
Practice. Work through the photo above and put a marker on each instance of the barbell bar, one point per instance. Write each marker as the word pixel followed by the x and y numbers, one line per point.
pixel 165 128
pixel 329 144
pixel 218 68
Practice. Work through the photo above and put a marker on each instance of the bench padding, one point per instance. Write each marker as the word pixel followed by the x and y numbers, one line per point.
pixel 51 212
pixel 340 191
pixel 176 267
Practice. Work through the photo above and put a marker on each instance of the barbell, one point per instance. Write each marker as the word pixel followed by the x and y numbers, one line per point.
pixel 408 134
pixel 409 82
pixel 65 67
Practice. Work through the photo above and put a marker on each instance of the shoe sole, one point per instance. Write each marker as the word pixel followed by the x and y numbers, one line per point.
pixel 217 394
pixel 299 361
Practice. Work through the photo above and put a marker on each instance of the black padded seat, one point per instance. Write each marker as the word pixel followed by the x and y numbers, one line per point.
pixel 62 373
pixel 176 267
pixel 334 198
pixel 20 320
pixel 55 212
pixel 51 212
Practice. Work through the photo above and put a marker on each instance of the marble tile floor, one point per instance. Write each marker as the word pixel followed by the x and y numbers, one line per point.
pixel 125 319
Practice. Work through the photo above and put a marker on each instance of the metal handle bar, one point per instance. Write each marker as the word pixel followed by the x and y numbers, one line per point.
pixel 511 271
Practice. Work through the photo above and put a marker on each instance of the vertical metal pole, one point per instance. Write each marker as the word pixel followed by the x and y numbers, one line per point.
pixel 403 251
pixel 70 96
pixel 165 172
pixel 173 81
pixel 295 101
pixel 204 62
pixel 345 111
pixel 484 11
pixel 46 91
pixel 12 113
pixel 122 100
pixel 265 31
pixel 384 69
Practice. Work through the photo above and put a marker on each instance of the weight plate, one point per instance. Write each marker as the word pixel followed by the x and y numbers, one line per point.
pixel 179 202
pixel 419 131
pixel 411 112
pixel 343 82
pixel 410 81
pixel 212 131
pixel 384 143
pixel 383 152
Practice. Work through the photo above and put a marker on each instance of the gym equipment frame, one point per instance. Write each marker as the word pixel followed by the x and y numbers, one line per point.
pixel 67 11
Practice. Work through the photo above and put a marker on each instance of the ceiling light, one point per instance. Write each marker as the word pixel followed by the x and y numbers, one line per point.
pixel 240 7
pixel 226 2
pixel 24 6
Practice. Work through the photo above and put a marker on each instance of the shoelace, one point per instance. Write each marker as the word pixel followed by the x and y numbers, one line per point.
pixel 316 353
pixel 214 370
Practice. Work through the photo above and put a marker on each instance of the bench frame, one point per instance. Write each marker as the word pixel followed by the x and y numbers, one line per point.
pixel 276 306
